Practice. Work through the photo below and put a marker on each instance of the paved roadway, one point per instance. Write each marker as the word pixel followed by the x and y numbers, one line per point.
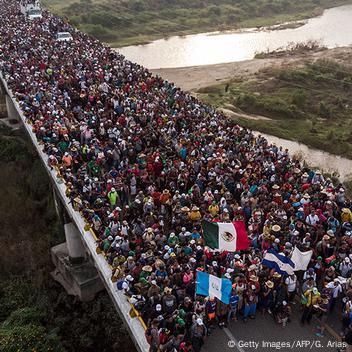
pixel 244 337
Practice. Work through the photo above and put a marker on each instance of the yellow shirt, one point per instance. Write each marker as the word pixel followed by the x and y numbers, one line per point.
pixel 312 298
pixel 266 230
pixel 194 215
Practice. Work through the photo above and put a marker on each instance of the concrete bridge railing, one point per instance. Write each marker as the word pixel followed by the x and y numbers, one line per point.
pixel 135 325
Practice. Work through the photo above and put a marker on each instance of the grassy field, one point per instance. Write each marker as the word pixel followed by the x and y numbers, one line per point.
pixel 311 104
pixel 127 22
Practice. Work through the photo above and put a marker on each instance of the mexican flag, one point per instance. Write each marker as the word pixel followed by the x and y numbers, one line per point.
pixel 225 236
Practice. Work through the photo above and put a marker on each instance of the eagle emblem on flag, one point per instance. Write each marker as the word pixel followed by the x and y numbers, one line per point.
pixel 227 236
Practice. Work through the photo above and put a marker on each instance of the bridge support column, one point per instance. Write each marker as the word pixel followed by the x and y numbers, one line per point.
pixel 75 270
pixel 75 247
pixel 3 108
pixel 11 110
pixel 11 118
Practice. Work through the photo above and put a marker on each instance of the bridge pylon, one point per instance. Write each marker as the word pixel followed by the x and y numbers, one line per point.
pixel 74 269
pixel 8 113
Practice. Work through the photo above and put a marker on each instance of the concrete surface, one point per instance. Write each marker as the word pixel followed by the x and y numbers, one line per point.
pixel 81 280
pixel 75 247
pixel 255 335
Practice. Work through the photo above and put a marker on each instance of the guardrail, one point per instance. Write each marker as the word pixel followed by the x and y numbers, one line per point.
pixel 134 310
pixel 136 326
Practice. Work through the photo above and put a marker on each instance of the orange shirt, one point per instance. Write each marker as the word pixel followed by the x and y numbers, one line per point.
pixel 67 160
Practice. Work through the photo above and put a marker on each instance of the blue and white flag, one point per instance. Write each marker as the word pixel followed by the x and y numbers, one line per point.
pixel 212 286
pixel 279 262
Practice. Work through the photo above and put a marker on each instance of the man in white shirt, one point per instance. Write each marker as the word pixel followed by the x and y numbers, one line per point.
pixel 335 288
pixel 345 267
pixel 312 219
pixel 291 286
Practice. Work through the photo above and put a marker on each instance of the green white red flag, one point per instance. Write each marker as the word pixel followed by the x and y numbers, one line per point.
pixel 225 236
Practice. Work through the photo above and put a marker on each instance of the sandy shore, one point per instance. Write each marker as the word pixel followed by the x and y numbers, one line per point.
pixel 195 77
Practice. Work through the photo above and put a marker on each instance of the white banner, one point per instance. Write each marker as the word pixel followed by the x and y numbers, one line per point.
pixel 301 259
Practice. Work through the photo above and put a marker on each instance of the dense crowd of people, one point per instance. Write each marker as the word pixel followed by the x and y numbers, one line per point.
pixel 144 163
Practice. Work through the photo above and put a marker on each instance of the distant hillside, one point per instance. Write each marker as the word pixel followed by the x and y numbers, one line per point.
pixel 123 22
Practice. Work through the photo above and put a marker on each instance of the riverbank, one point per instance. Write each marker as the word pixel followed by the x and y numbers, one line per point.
pixel 195 77
pixel 298 96
pixel 134 22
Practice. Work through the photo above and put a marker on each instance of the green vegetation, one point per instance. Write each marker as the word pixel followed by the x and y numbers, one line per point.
pixel 122 22
pixel 292 49
pixel 36 314
pixel 311 104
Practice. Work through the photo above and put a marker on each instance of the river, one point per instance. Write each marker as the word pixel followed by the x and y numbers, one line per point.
pixel 332 29
pixel 325 161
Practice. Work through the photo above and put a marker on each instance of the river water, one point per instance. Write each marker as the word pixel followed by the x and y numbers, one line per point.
pixel 325 161
pixel 332 29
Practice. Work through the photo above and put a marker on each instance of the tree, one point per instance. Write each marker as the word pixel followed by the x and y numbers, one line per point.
pixel 23 331
pixel 214 11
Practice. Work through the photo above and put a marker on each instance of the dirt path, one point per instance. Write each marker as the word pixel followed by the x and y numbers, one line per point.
pixel 195 77
pixel 235 114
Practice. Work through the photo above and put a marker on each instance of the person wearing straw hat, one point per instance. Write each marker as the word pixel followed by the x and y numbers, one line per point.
pixel 194 214
pixel 268 297
pixel 322 309
pixel 146 272
pixel 276 229
pixel 318 178
pixel 346 215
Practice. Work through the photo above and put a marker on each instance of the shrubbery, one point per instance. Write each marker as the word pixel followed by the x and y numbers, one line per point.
pixel 268 105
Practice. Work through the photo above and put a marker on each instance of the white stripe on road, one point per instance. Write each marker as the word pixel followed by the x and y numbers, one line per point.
pixel 232 338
